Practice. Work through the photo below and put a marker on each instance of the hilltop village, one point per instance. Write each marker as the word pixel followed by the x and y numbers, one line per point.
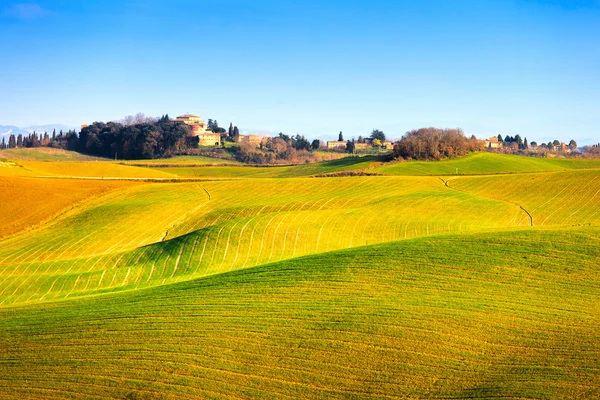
pixel 207 137
pixel 142 137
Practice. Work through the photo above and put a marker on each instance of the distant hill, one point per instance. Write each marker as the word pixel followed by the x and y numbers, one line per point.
pixel 7 130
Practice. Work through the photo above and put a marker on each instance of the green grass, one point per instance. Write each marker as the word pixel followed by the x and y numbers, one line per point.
pixel 91 169
pixel 45 154
pixel 111 243
pixel 485 163
pixel 507 315
pixel 280 285
pixel 555 198
pixel 304 170
pixel 182 160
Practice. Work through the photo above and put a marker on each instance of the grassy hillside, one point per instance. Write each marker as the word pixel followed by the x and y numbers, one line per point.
pixel 115 242
pixel 280 285
pixel 324 167
pixel 28 202
pixel 508 315
pixel 213 227
pixel 93 169
pixel 182 160
pixel 485 163
pixel 556 198
pixel 473 164
pixel 44 154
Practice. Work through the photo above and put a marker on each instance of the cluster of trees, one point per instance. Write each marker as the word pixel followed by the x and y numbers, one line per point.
pixel 376 137
pixel 515 143
pixel 36 140
pixel 144 138
pixel 282 148
pixel 233 133
pixel 213 125
pixel 435 144
pixel 554 144
pixel 592 151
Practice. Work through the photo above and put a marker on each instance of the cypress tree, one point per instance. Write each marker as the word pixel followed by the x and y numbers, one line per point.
pixel 340 137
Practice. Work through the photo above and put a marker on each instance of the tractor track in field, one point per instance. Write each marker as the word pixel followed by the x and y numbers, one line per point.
pixel 447 184
pixel 530 216
pixel 182 219
pixel 207 192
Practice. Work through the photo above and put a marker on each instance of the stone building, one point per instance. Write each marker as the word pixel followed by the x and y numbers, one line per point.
pixel 334 144
pixel 493 143
pixel 252 139
pixel 198 129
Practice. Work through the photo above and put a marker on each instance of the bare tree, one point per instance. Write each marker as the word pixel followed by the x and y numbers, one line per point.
pixel 139 118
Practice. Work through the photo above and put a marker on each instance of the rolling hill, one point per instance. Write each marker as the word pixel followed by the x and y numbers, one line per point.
pixel 248 282
pixel 463 316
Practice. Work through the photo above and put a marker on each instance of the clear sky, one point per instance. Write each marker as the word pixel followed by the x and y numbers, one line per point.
pixel 313 67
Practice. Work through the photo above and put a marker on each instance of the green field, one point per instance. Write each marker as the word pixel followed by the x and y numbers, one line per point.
pixel 44 154
pixel 183 160
pixel 245 171
pixel 474 164
pixel 486 163
pixel 270 283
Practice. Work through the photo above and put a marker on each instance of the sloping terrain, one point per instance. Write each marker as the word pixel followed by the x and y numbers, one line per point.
pixel 556 198
pixel 264 287
pixel 91 169
pixel 485 163
pixel 44 154
pixel 481 163
pixel 213 227
pixel 509 315
pixel 28 202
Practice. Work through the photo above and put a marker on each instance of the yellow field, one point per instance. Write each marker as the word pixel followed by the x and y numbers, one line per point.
pixel 29 202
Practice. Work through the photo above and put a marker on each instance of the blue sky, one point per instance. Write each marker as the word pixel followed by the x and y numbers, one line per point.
pixel 313 67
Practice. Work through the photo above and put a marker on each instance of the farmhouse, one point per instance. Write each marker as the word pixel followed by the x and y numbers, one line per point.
pixel 493 143
pixel 252 139
pixel 387 144
pixel 208 138
pixel 198 129
pixel 333 144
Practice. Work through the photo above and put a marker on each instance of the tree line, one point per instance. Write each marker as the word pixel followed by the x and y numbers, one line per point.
pixel 278 149
pixel 150 138
pixel 35 140
pixel 139 137
pixel 435 144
